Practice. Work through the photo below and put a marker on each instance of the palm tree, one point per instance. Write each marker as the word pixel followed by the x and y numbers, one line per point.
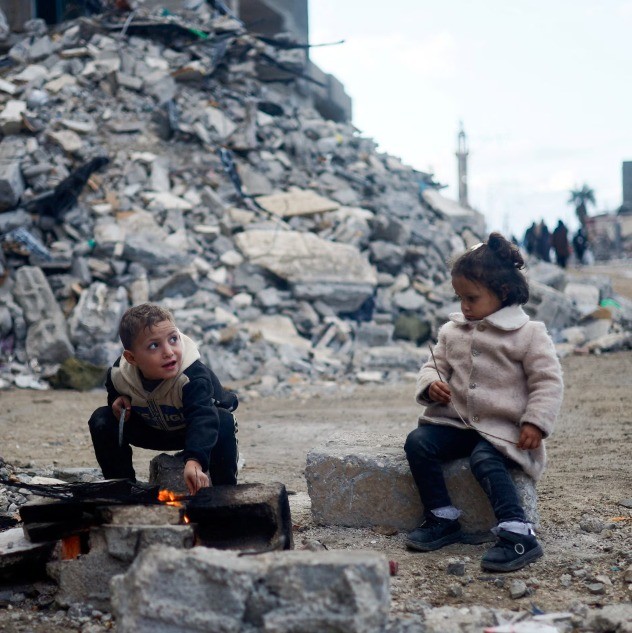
pixel 580 198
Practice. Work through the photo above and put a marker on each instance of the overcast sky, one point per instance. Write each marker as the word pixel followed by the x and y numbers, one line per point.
pixel 543 87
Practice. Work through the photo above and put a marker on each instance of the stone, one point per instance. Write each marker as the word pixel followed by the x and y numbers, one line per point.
pixel 547 274
pixel 336 274
pixel 386 256
pixel 221 123
pixel 552 307
pixel 584 296
pixel 518 589
pixel 459 217
pixel 612 617
pixel 11 186
pixel 220 591
pixel 19 556
pixel 68 140
pixel 47 338
pixel 413 328
pixel 398 356
pixel 278 330
pixel 11 117
pixel 10 220
pixel 166 471
pixel 78 374
pixel 591 523
pixel 96 317
pixel 355 480
pixel 112 549
pixel 292 203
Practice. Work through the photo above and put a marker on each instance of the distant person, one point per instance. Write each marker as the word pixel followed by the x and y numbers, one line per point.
pixel 530 239
pixel 561 244
pixel 493 395
pixel 580 244
pixel 543 246
pixel 171 401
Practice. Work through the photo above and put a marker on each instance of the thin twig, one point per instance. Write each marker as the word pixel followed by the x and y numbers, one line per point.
pixel 467 423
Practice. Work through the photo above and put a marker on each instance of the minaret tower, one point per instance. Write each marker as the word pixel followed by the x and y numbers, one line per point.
pixel 461 155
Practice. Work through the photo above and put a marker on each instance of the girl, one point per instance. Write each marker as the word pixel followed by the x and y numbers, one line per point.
pixel 492 390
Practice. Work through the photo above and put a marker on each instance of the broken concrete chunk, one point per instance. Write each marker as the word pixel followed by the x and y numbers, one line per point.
pixel 289 591
pixel 11 185
pixel 317 269
pixel 68 140
pixel 11 117
pixel 293 203
pixel 358 482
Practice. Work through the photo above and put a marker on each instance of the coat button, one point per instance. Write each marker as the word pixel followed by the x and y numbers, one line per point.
pixel 472 385
pixel 475 418
pixel 481 327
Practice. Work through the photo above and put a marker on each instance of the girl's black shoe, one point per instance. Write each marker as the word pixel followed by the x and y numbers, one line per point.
pixel 434 533
pixel 511 552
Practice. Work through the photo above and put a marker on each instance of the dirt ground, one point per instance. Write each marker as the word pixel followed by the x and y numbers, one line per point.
pixel 590 473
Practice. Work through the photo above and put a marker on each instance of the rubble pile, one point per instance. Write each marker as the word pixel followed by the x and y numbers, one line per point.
pixel 149 156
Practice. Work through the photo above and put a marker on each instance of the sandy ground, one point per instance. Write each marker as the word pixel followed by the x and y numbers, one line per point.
pixel 590 473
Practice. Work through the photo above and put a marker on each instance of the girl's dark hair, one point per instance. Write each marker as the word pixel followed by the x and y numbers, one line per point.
pixel 495 264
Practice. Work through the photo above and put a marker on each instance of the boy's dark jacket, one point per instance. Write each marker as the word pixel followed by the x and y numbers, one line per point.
pixel 187 402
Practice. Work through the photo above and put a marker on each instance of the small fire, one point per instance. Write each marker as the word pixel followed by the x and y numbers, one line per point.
pixel 170 498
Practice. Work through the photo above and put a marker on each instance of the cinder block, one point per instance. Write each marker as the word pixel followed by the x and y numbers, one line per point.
pixel 364 480
pixel 168 590
pixel 86 579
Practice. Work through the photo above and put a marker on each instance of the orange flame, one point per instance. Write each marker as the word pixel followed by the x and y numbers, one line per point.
pixel 170 498
pixel 186 519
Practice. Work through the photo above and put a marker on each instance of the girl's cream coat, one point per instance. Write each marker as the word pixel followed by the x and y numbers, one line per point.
pixel 503 371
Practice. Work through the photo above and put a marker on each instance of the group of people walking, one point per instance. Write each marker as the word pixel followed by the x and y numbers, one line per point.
pixel 538 241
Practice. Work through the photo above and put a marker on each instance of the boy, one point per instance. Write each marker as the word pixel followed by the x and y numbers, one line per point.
pixel 170 401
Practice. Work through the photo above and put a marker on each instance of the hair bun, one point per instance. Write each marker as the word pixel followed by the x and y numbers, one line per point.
pixel 505 250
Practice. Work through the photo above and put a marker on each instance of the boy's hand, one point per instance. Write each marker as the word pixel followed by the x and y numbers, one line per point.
pixel 530 437
pixel 439 391
pixel 122 402
pixel 194 477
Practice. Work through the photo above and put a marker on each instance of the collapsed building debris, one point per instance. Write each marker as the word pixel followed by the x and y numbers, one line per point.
pixel 147 156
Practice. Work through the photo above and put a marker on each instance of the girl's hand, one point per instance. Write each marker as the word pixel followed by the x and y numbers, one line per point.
pixel 194 477
pixel 530 437
pixel 122 402
pixel 439 391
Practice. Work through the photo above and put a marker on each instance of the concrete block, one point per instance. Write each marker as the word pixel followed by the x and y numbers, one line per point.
pixel 550 306
pixel 584 296
pixel 11 185
pixel 289 204
pixel 112 549
pixel 47 337
pixel 168 590
pixel 11 117
pixel 124 542
pixel 363 481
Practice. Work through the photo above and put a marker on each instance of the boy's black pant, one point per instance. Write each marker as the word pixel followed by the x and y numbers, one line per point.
pixel 116 461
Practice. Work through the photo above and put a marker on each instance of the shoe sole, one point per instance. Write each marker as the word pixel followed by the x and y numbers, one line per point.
pixel 514 565
pixel 433 545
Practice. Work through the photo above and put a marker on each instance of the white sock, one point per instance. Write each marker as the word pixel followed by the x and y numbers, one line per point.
pixel 447 512
pixel 517 527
